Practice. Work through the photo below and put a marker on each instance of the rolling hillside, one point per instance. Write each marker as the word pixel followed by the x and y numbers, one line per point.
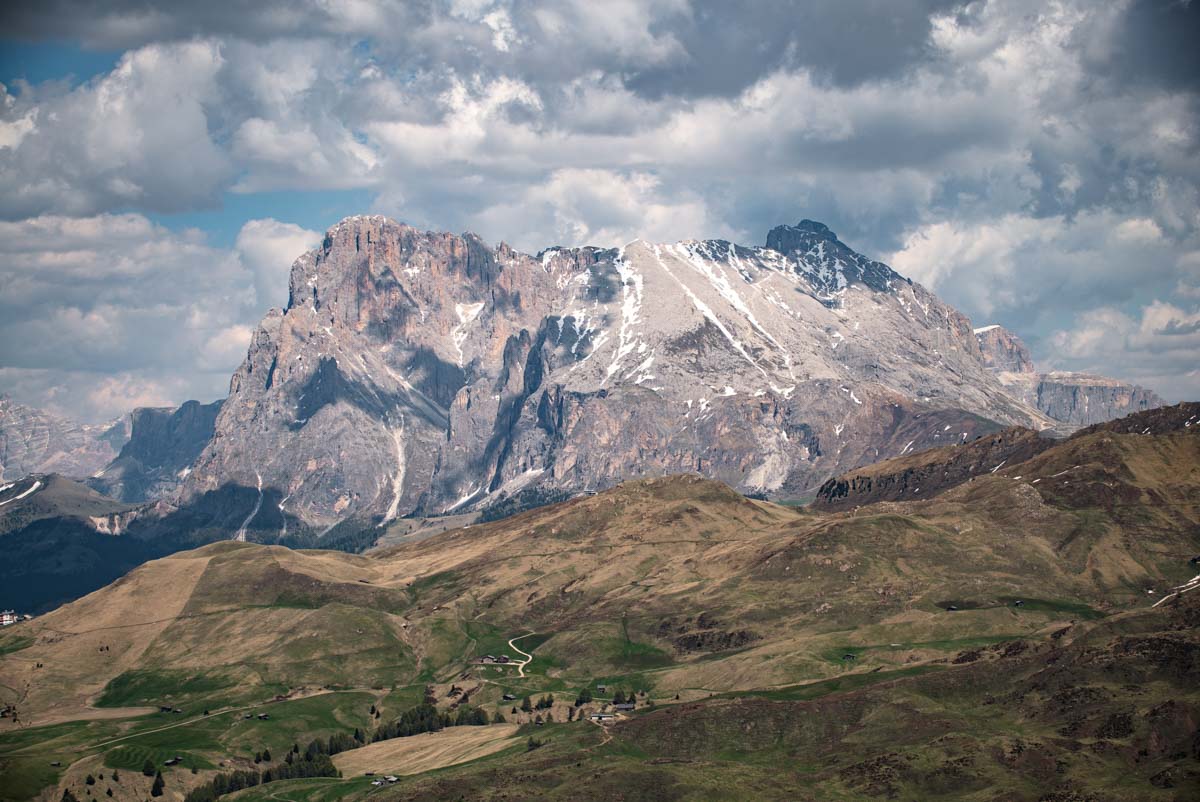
pixel 686 590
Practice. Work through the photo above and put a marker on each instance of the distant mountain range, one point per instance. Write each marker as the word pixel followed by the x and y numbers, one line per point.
pixel 36 441
pixel 425 373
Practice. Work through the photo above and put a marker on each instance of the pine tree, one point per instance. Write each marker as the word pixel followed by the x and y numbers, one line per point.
pixel 148 768
pixel 116 776
pixel 619 697
pixel 157 788
pixel 68 796
pixel 526 705
pixel 90 780
pixel 266 755
pixel 498 718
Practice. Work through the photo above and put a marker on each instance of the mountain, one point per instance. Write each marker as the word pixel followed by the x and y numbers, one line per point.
pixel 35 441
pixel 927 473
pixel 163 444
pixel 1032 630
pixel 422 372
pixel 61 539
pixel 1076 399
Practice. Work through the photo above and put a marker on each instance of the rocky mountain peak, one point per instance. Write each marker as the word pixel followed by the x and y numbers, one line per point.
pixel 831 265
pixel 1003 351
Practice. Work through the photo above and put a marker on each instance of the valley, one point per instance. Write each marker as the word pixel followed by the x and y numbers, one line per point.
pixel 1002 633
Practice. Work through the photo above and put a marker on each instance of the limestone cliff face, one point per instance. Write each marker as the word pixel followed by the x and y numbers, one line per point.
pixel 423 371
pixel 1073 399
pixel 35 441
pixel 1003 351
pixel 163 444
pixel 1081 399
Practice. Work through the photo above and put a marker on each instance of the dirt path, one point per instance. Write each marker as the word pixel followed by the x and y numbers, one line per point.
pixel 606 739
pixel 528 657
pixel 1179 590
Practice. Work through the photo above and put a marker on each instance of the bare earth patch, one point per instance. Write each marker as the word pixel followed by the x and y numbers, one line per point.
pixel 420 753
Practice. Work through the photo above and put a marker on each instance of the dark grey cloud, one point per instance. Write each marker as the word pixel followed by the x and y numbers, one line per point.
pixel 124 24
pixel 1155 43
pixel 729 46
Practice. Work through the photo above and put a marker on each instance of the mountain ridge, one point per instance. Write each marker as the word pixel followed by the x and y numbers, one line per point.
pixel 457 375
pixel 424 373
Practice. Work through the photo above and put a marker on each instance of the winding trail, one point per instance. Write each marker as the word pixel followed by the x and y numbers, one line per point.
pixel 1179 590
pixel 512 644
pixel 241 533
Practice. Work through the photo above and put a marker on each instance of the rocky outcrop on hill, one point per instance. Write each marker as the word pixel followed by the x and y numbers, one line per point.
pixel 427 372
pixel 162 446
pixel 924 475
pixel 1074 399
pixel 35 441
pixel 1178 418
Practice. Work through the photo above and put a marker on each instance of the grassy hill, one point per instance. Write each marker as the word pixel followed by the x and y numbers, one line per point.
pixel 801 653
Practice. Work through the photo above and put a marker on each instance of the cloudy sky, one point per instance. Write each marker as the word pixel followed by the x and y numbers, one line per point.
pixel 161 164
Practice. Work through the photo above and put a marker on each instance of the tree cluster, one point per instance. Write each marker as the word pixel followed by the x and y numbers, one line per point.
pixel 427 718
pixel 619 697
pixel 295 766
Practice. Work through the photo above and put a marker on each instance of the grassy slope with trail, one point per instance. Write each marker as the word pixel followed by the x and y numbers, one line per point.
pixel 678 587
